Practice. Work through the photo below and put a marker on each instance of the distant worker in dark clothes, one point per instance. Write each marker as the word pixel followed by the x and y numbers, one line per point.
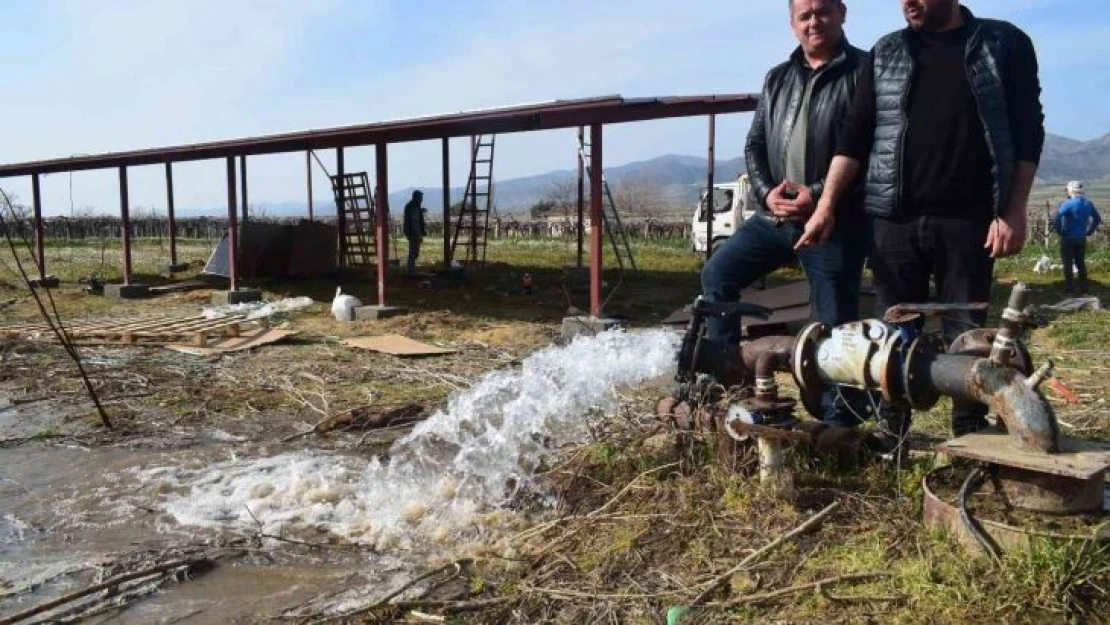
pixel 414 228
pixel 948 120
pixel 1076 220
pixel 789 147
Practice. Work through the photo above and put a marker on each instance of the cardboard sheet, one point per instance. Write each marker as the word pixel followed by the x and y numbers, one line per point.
pixel 396 345
pixel 246 340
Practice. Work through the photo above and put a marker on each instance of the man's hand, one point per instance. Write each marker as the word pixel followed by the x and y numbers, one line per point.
pixel 818 229
pixel 1006 236
pixel 787 209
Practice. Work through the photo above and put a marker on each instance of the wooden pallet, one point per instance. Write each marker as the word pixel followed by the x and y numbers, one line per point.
pixel 193 330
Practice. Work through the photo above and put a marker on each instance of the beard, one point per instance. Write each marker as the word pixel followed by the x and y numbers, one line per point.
pixel 933 18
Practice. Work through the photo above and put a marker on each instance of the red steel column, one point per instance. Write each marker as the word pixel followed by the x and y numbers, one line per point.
pixel 581 198
pixel 232 227
pixel 340 200
pixel 243 188
pixel 125 218
pixel 596 221
pixel 40 251
pixel 308 179
pixel 710 166
pixel 446 203
pixel 382 236
pixel 170 211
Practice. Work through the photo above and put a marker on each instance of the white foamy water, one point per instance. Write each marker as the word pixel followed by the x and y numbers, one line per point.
pixel 461 462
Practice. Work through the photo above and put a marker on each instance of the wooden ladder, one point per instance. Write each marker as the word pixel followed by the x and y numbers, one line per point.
pixel 357 214
pixel 472 221
pixel 613 227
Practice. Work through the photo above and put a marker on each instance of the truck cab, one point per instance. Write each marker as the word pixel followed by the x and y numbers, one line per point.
pixel 727 215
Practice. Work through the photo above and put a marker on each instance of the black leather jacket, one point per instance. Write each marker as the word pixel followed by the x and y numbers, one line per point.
pixel 769 137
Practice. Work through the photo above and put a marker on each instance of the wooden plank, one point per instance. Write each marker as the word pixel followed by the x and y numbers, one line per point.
pixel 1079 459
pixel 247 340
pixel 199 325
pixel 396 345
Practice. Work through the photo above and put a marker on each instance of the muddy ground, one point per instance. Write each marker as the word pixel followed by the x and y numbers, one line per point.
pixel 620 527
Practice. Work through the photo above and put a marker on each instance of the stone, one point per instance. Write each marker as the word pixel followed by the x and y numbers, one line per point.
pixel 135 290
pixel 587 325
pixel 374 313
pixel 230 298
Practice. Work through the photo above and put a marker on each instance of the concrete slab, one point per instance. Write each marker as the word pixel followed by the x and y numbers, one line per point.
pixel 586 325
pixel 135 290
pixel 242 296
pixel 374 313
pixel 48 282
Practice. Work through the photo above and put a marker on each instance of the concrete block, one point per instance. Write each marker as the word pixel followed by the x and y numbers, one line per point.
pixel 586 325
pixel 242 296
pixel 49 282
pixel 374 313
pixel 135 290
pixel 169 269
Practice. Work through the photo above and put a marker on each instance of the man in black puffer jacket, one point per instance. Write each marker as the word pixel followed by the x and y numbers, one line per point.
pixel 949 120
pixel 789 148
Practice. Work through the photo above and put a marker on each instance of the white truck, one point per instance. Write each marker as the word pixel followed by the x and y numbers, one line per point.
pixel 727 216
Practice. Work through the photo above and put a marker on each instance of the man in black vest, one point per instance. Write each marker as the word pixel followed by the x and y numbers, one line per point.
pixel 789 148
pixel 948 119
pixel 414 228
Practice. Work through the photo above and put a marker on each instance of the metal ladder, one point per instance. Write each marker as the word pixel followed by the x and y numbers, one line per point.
pixel 472 221
pixel 357 213
pixel 613 227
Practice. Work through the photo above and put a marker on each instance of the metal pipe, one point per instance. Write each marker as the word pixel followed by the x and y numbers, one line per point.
pixel 40 247
pixel 1004 349
pixel 381 247
pixel 446 203
pixel 596 223
pixel 125 218
pixel 232 228
pixel 579 229
pixel 709 208
pixel 1028 416
pixel 170 211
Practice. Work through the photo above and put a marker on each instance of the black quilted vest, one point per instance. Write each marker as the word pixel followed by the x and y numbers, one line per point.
pixel 894 67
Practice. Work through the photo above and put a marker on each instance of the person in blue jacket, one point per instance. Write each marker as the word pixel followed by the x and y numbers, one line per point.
pixel 1076 220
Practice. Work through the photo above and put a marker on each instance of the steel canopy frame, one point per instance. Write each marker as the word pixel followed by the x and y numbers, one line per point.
pixel 589 112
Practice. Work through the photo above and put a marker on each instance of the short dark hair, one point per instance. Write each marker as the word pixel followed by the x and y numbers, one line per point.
pixel 790 4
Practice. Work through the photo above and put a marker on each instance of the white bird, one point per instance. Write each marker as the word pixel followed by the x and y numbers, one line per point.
pixel 343 306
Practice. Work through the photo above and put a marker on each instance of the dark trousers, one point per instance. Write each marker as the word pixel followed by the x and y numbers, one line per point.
pixel 414 253
pixel 908 256
pixel 1074 252
pixel 834 271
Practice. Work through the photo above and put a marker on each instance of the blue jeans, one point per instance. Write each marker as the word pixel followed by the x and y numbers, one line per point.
pixel 834 271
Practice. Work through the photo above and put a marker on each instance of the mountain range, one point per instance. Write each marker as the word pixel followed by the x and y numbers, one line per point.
pixel 677 180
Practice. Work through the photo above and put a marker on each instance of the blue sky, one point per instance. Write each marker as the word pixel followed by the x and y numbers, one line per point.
pixel 89 76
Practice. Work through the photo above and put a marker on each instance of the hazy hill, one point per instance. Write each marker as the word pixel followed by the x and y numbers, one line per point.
pixel 677 179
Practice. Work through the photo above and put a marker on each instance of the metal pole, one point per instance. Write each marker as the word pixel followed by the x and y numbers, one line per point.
pixel 40 253
pixel 581 198
pixel 382 244
pixel 596 221
pixel 446 203
pixel 308 178
pixel 170 210
pixel 340 198
pixel 473 199
pixel 125 218
pixel 709 185
pixel 232 227
pixel 243 187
